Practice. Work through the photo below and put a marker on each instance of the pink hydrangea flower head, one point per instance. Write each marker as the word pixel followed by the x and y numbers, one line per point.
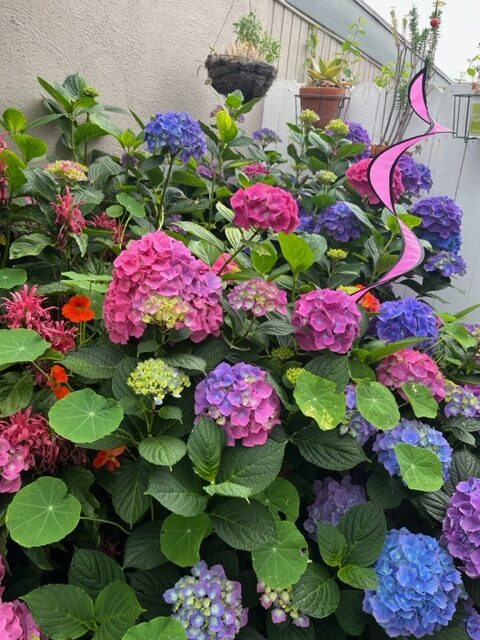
pixel 409 365
pixel 255 169
pixel 221 261
pixel 357 175
pixel 326 319
pixel 262 206
pixel 160 266
pixel 239 399
pixel 68 216
pixel 258 297
pixel 17 623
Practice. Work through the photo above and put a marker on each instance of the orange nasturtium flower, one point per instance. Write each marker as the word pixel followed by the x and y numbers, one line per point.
pixel 56 379
pixel 369 302
pixel 108 458
pixel 78 309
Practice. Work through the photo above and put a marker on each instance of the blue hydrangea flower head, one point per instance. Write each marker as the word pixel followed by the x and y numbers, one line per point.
pixel 446 263
pixel 177 132
pixel 418 586
pixel 207 604
pixel 406 318
pixel 307 220
pixel 354 423
pixel 441 219
pixel 417 434
pixel 451 244
pixel 358 134
pixel 416 177
pixel 339 222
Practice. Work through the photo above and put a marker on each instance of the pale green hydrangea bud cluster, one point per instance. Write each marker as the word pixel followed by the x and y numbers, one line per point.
pixel 337 128
pixel 154 377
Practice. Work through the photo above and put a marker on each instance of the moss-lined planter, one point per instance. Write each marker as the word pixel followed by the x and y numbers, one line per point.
pixel 230 73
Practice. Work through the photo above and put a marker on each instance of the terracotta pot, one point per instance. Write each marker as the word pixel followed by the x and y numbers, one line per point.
pixel 229 73
pixel 326 101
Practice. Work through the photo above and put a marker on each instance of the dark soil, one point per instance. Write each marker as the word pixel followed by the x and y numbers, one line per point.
pixel 229 73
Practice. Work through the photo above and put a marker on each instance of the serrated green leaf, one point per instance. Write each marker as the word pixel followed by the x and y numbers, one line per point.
pixel 204 448
pixel 296 252
pixel 162 450
pixel 316 594
pixel 16 390
pixel 181 538
pixel 92 570
pixel 96 362
pixel 364 528
pixel 331 543
pixel 159 628
pixel 329 450
pixel 142 549
pixel 128 496
pixel 358 577
pixel 232 519
pixel 116 610
pixel 178 490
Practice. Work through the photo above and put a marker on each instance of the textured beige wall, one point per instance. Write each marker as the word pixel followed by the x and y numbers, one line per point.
pixel 144 54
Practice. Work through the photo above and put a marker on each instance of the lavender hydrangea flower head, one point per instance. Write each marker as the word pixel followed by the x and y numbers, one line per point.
pixel 448 264
pixel 354 423
pixel 339 222
pixel 358 134
pixel 266 136
pixel 207 604
pixel 281 601
pixel 418 586
pixel 461 401
pixel 472 624
pixel 441 219
pixel 177 132
pixel 416 177
pixel 332 501
pixel 415 433
pixel 407 318
pixel 258 297
pixel 326 319
pixel 240 400
pixel 461 526
pixel 306 219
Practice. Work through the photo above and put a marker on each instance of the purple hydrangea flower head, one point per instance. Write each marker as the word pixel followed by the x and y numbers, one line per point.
pixel 407 318
pixel 339 222
pixel 448 264
pixel 441 219
pixel 358 134
pixel 461 526
pixel 258 297
pixel 266 136
pixel 306 220
pixel 415 433
pixel 239 399
pixel 177 132
pixel 281 601
pixel 416 177
pixel 326 319
pixel 461 401
pixel 207 604
pixel 332 501
pixel 354 423
pixel 451 244
pixel 418 586
pixel 472 624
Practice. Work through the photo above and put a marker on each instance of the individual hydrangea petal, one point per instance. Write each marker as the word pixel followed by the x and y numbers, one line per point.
pixel 406 318
pixel 332 500
pixel 416 177
pixel 207 604
pixel 160 266
pixel 326 319
pixel 240 400
pixel 258 297
pixel 418 586
pixel 262 206
pixel 357 175
pixel 339 222
pixel 178 133
pixel 417 434
pixel 461 526
pixel 409 365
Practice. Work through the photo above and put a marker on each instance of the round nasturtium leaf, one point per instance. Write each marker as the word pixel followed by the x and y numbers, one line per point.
pixel 43 512
pixel 84 416
pixel 21 345
pixel 10 278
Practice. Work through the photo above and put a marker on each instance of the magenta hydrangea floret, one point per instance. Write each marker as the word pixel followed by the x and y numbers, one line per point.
pixel 418 586
pixel 156 270
pixel 409 365
pixel 326 319
pixel 461 526
pixel 262 206
pixel 417 434
pixel 240 399
pixel 406 318
pixel 258 297
pixel 207 604
pixel 332 501
pixel 176 132
pixel 339 222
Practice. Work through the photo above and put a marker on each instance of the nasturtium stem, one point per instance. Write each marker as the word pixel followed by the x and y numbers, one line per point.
pixel 102 521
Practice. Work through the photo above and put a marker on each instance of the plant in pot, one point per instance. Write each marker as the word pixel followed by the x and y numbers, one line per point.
pixel 416 48
pixel 328 80
pixel 247 65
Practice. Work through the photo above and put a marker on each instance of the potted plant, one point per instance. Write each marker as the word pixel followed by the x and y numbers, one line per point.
pixel 247 65
pixel 328 80
pixel 416 48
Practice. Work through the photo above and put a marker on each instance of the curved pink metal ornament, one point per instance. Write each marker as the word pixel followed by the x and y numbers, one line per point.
pixel 380 177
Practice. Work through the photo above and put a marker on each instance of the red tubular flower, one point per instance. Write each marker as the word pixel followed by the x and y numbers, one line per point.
pixel 78 309
pixel 108 458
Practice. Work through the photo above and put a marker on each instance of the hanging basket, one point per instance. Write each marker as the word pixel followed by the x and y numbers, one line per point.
pixel 230 73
